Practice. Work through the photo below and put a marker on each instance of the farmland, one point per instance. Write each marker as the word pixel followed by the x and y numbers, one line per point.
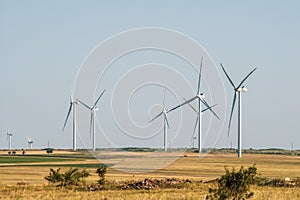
pixel 22 177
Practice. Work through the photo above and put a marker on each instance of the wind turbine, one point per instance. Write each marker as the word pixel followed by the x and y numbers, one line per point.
pixel 30 141
pixel 197 119
pixel 166 123
pixel 93 110
pixel 200 97
pixel 237 92
pixel 72 106
pixel 8 136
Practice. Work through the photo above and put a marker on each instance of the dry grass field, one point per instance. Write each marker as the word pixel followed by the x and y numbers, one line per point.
pixel 24 179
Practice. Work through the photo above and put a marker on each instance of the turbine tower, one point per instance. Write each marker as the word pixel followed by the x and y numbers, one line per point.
pixel 8 136
pixel 93 110
pixel 237 92
pixel 72 106
pixel 166 122
pixel 30 141
pixel 200 97
pixel 197 119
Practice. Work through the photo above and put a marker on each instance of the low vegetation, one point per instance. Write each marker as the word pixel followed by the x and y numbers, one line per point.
pixel 234 185
pixel 72 177
pixel 30 159
pixel 101 171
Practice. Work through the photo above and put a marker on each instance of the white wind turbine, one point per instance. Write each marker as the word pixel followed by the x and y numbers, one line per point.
pixel 200 97
pixel 72 106
pixel 166 123
pixel 30 141
pixel 8 137
pixel 93 110
pixel 197 119
pixel 237 92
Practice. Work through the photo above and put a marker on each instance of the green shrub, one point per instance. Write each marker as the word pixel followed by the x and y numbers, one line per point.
pixel 234 185
pixel 54 176
pixel 68 178
pixel 101 171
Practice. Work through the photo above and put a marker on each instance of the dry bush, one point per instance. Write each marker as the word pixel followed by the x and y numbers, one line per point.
pixel 234 185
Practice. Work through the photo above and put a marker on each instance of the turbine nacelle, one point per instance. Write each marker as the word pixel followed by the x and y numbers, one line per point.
pixel 73 101
pixel 201 96
pixel 242 89
pixel 29 140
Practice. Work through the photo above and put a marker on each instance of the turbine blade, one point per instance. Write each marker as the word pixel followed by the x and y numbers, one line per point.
pixel 196 123
pixel 246 77
pixel 91 124
pixel 69 111
pixel 199 79
pixel 191 106
pixel 231 113
pixel 188 101
pixel 227 76
pixel 164 99
pixel 98 99
pixel 209 108
pixel 156 117
pixel 166 118
pixel 84 104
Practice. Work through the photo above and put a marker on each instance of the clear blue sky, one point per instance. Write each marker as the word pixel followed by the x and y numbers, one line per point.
pixel 43 43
